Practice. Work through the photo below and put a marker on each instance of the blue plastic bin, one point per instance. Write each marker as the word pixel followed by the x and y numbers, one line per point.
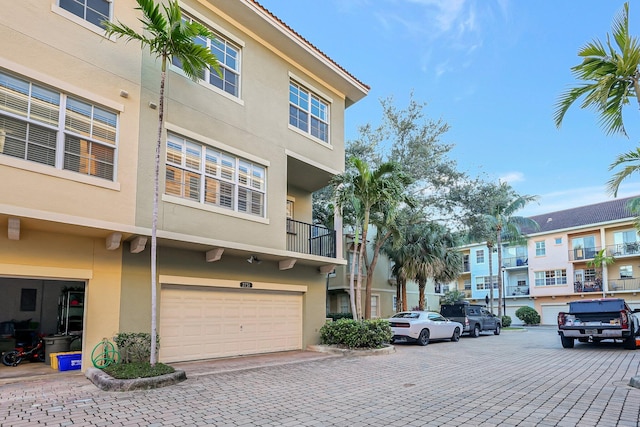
pixel 69 362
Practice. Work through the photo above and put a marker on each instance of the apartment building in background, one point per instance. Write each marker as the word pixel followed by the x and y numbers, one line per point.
pixel 554 267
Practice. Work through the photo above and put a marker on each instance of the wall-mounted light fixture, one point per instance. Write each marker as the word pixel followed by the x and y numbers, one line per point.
pixel 253 260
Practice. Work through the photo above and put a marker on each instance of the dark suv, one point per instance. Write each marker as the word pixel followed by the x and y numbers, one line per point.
pixel 474 317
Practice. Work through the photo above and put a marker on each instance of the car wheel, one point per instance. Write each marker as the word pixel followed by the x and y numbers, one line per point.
pixel 630 343
pixel 423 339
pixel 476 331
pixel 567 342
pixel 456 335
pixel 497 331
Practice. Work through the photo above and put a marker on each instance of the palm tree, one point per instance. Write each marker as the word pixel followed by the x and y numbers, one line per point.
pixel 612 76
pixel 508 226
pixel 599 261
pixel 371 191
pixel 631 160
pixel 167 35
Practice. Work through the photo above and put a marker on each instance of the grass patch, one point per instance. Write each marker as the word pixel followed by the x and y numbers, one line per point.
pixel 129 371
pixel 513 328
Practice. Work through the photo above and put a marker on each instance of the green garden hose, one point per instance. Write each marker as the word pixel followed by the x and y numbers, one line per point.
pixel 104 354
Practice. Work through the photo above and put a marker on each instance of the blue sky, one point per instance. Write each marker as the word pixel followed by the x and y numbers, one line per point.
pixel 491 69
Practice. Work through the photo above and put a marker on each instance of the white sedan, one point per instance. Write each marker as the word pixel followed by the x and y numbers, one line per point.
pixel 422 326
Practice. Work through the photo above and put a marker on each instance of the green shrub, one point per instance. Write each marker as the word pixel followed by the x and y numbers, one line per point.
pixel 134 346
pixel 356 334
pixel 128 371
pixel 336 316
pixel 452 297
pixel 528 315
pixel 506 321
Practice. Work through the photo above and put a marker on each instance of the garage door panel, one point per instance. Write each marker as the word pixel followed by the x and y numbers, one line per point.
pixel 200 323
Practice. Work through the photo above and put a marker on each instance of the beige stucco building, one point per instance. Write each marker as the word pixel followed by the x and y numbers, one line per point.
pixel 240 157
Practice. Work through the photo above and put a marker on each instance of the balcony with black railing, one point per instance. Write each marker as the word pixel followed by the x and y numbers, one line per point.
pixel 516 261
pixel 624 249
pixel 310 239
pixel 588 286
pixel 582 254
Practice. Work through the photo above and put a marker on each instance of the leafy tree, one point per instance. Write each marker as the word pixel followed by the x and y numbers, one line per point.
pixel 611 73
pixel 166 35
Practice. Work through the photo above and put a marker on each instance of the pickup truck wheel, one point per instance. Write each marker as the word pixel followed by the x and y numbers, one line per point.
pixel 456 335
pixel 497 331
pixel 423 339
pixel 567 342
pixel 630 343
pixel 476 331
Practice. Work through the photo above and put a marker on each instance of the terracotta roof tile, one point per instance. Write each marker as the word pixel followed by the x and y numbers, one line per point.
pixel 307 42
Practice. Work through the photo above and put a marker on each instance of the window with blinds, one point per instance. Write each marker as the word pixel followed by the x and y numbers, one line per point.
pixel 44 126
pixel 209 176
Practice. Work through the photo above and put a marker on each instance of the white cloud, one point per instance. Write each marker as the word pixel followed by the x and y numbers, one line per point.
pixel 512 177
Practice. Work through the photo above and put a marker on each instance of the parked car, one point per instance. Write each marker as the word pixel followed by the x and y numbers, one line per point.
pixel 423 326
pixel 475 318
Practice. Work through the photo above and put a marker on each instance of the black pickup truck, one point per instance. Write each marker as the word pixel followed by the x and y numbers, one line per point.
pixel 475 318
pixel 595 320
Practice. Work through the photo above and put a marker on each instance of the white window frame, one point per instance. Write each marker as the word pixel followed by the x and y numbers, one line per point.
pixel 551 277
pixel 322 105
pixel 224 60
pixel 375 306
pixel 81 20
pixel 227 171
pixel 71 119
pixel 480 256
pixel 541 248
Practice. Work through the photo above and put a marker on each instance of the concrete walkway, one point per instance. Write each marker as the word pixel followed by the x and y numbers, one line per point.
pixel 515 379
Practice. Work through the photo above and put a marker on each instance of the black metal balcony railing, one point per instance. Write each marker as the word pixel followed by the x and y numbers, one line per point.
pixel 625 284
pixel 588 286
pixel 516 291
pixel 578 254
pixel 518 261
pixel 622 249
pixel 310 239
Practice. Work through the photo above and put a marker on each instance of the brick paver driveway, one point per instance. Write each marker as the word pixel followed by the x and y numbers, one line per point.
pixel 515 379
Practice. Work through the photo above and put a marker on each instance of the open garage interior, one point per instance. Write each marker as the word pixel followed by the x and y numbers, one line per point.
pixel 202 322
pixel 33 307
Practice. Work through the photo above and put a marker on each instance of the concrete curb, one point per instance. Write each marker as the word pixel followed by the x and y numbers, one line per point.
pixel 352 352
pixel 106 382
pixel 634 382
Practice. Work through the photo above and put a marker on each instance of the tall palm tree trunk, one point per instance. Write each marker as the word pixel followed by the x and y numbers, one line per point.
pixel 422 284
pixel 154 221
pixel 352 294
pixel 404 294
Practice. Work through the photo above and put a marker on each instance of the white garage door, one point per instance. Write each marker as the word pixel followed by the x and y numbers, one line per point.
pixel 550 313
pixel 208 322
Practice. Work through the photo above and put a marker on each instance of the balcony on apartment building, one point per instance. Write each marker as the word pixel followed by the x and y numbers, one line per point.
pixel 583 254
pixel 515 262
pixel 587 286
pixel 624 249
pixel 624 284
pixel 516 291
pixel 310 239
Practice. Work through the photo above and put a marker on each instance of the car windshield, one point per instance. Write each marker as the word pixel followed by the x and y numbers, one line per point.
pixel 406 316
